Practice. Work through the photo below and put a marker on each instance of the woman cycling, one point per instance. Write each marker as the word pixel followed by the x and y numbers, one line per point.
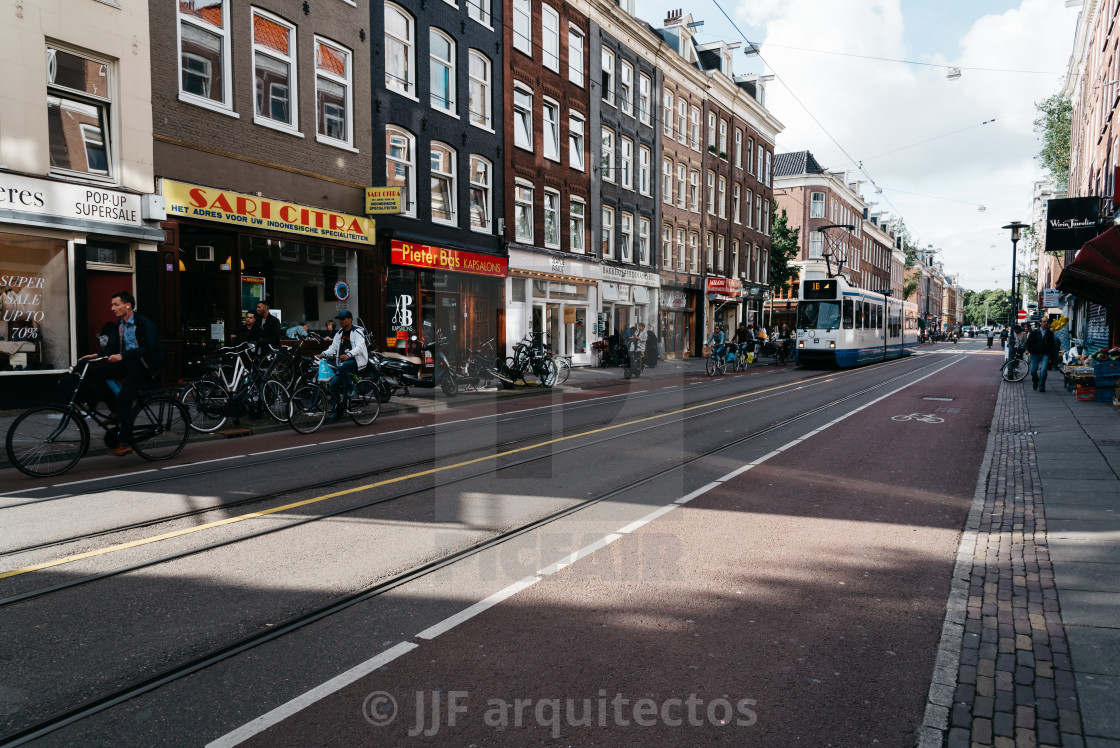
pixel 716 341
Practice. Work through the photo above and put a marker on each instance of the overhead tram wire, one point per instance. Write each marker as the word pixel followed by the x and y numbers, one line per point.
pixel 945 135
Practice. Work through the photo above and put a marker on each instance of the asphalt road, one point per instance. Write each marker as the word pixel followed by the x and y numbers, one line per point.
pixel 871 503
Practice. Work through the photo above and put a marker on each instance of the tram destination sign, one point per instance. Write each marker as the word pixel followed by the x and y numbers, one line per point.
pixel 818 289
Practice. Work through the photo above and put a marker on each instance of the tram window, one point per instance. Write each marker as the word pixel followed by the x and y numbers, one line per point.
pixel 859 315
pixel 878 317
pixel 848 313
pixel 866 315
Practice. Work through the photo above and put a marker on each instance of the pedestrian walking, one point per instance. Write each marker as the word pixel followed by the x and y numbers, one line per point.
pixel 1043 348
pixel 653 349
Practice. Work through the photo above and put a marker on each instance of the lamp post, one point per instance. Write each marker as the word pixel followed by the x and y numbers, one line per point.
pixel 1016 228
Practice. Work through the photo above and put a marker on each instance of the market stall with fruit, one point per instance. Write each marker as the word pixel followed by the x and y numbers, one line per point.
pixel 1092 376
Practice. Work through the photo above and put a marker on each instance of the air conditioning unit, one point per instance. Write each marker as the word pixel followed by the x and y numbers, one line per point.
pixel 204 253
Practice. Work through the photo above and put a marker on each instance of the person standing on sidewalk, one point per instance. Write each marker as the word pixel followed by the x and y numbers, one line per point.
pixel 267 330
pixel 1042 347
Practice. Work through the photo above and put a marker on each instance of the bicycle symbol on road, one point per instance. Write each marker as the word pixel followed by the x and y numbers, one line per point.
pixel 923 417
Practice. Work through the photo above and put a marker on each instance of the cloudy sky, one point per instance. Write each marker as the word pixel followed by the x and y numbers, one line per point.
pixel 878 112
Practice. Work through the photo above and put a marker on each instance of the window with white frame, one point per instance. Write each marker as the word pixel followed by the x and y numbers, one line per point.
pixel 759 162
pixel 693 252
pixel 694 131
pixel 709 250
pixel 523 26
pixel 626 88
pixel 478 94
pixel 720 255
pixel 550 37
pixel 400 166
pixel 756 258
pixel 626 163
pixel 667 247
pixel 750 199
pixel 758 212
pixel 626 238
pixel 606 155
pixel 643 241
pixel 694 190
pixel 750 155
pixel 680 249
pixel 204 53
pixel 78 101
pixel 682 175
pixel 607 233
pixel 522 117
pixel 738 149
pixel 481 176
pixel 768 172
pixel 711 129
pixel 816 205
pixel 711 193
pixel 333 88
pixel 523 211
pixel 442 70
pixel 645 98
pixel 734 270
pixel 551 219
pixel 274 73
pixel 644 167
pixel 816 245
pixel 682 121
pixel 479 10
pixel 736 203
pixel 723 138
pixel 608 76
pixel 575 55
pixel 667 114
pixel 400 46
pixel 576 125
pixel 667 181
pixel 723 197
pixel 766 217
pixel 577 225
pixel 443 184
pixel 550 118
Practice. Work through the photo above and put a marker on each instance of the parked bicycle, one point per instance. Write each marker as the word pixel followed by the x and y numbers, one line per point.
pixel 50 439
pixel 312 400
pixel 239 383
pixel 1015 369
pixel 529 356
pixel 481 369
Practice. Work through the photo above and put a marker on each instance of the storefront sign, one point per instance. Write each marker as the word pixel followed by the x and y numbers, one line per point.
pixel 402 313
pixel 383 201
pixel 674 299
pixel 1070 222
pixel 44 197
pixel 451 260
pixel 725 286
pixel 342 290
pixel 1050 297
pixel 570 313
pixel 631 276
pixel 223 206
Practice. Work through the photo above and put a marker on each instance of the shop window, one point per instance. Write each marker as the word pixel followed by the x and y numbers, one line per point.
pixel 552 219
pixel 332 92
pixel 478 93
pixel 626 238
pixel 608 233
pixel 575 140
pixel 400 45
pixel 550 37
pixel 643 241
pixel 400 166
pixel 443 184
pixel 34 304
pixel 575 55
pixel 522 117
pixel 577 225
pixel 517 286
pixel 523 26
pixel 523 212
pixel 78 101
pixel 204 53
pixel 441 71
pixel 550 115
pixel 274 73
pixel 480 194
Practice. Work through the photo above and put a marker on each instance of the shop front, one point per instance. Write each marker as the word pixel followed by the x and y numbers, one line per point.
pixel 629 297
pixel 226 251
pixel 677 322
pixel 65 249
pixel 437 291
pixel 724 300
pixel 555 298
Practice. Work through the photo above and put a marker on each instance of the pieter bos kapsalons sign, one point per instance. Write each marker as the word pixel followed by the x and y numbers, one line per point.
pixel 1070 222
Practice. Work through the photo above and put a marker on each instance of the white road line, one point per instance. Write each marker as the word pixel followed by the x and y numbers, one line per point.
pixel 204 462
pixel 23 490
pixel 583 552
pixel 698 492
pixel 285 449
pixel 282 712
pixel 452 621
pixel 647 519
pixel 104 477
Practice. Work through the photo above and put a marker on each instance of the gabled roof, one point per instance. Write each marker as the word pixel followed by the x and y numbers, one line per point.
pixel 799 162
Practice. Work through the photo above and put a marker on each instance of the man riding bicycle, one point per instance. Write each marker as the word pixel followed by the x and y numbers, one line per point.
pixel 349 345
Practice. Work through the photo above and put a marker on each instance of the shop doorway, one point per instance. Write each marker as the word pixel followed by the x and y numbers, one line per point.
pixel 100 287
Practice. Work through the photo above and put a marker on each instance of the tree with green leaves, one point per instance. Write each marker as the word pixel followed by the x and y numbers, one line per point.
pixel 784 247
pixel 1053 125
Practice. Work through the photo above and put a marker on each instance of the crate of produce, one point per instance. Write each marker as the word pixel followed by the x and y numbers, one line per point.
pixel 1106 368
pixel 1104 394
pixel 1087 394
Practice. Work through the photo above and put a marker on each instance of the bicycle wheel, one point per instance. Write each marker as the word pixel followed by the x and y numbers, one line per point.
pixel 710 366
pixel 546 374
pixel 365 403
pixel 308 409
pixel 275 397
pixel 46 441
pixel 160 428
pixel 1015 370
pixel 721 365
pixel 206 402
pixel 563 370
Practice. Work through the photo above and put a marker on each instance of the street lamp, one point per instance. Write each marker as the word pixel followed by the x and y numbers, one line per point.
pixel 1016 228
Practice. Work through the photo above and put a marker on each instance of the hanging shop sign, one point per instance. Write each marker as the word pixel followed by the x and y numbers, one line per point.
pixel 342 290
pixel 251 211
pixel 451 260
pixel 1051 297
pixel 1070 222
pixel 383 201
pixel 725 286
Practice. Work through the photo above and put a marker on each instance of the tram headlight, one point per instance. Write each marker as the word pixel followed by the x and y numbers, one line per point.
pixel 801 344
pixel 832 344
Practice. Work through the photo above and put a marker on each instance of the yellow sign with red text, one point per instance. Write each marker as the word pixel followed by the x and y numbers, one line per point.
pixel 209 204
pixel 383 201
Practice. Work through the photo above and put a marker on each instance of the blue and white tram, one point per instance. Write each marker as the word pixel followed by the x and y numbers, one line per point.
pixel 841 325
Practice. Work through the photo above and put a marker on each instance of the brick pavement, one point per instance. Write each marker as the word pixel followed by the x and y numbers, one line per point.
pixel 1004 676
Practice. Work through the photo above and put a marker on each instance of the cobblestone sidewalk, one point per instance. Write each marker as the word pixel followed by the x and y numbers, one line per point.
pixel 1003 676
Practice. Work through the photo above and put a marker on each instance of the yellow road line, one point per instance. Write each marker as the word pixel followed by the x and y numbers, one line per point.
pixel 410 476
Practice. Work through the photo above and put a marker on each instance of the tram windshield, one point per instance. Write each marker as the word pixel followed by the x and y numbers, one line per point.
pixel 823 315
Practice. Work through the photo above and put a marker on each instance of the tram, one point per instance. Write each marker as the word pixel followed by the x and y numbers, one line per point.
pixel 841 325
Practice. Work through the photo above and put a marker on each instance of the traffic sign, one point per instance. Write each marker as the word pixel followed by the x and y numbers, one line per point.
pixel 1022 314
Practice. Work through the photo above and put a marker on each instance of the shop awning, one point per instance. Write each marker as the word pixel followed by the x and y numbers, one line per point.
pixel 641 295
pixel 1094 273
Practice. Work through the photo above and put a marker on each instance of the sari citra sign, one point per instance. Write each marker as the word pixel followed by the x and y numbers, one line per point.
pixel 223 206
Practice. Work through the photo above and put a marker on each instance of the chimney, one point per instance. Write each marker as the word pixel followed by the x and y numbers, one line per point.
pixel 673 18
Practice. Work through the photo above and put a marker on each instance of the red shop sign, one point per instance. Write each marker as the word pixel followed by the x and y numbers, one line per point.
pixel 452 260
pixel 725 286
